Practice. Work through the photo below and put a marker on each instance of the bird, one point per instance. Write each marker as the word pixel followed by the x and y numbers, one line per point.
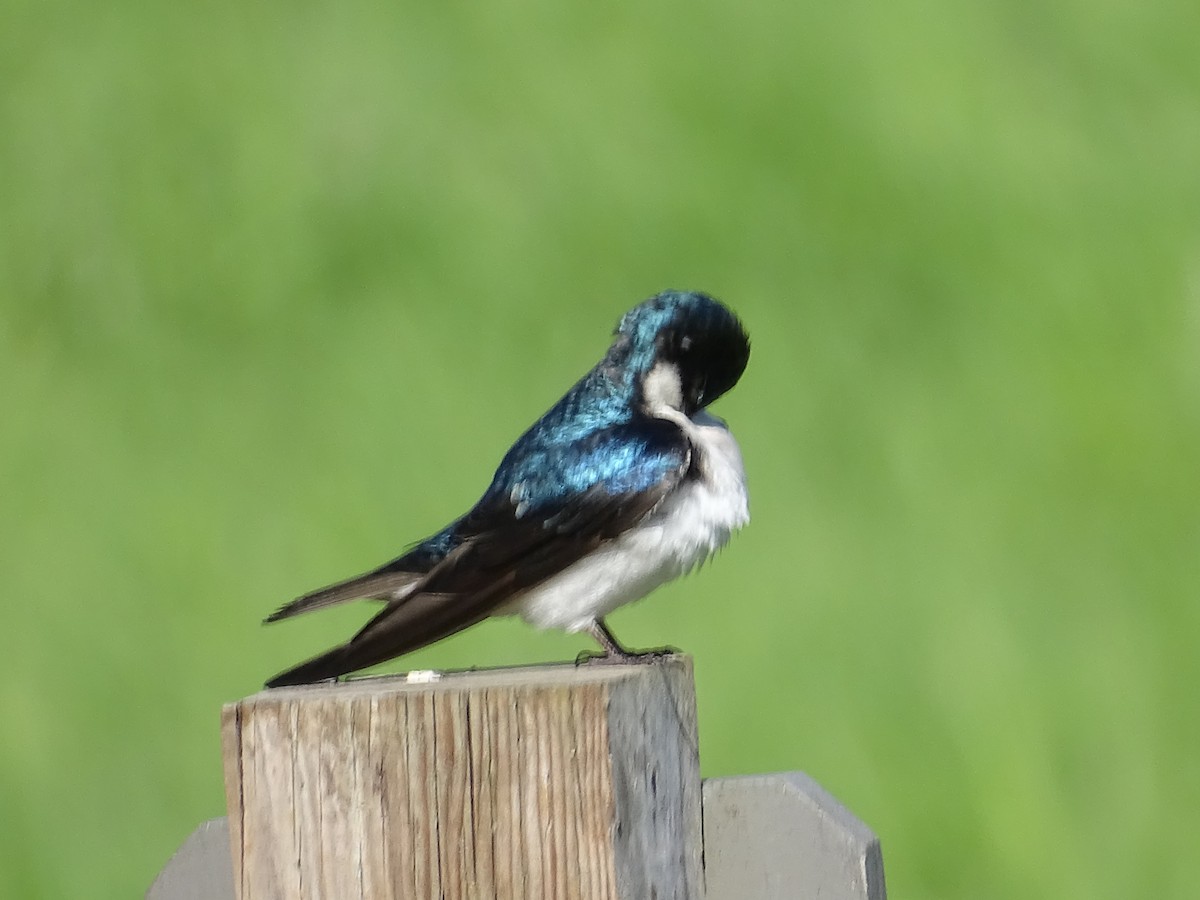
pixel 624 484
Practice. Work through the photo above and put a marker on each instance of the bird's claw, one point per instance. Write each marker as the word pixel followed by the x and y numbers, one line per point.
pixel 632 658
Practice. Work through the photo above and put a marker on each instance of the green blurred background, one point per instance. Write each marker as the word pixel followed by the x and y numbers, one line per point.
pixel 281 281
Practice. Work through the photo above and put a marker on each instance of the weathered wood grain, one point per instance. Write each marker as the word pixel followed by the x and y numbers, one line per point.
pixel 544 782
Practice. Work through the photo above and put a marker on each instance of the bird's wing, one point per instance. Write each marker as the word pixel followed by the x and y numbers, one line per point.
pixel 375 585
pixel 388 582
pixel 510 543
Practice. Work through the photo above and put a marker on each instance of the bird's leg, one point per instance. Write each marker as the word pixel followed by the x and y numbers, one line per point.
pixel 606 639
pixel 614 653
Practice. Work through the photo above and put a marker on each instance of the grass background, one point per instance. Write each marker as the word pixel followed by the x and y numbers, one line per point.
pixel 279 282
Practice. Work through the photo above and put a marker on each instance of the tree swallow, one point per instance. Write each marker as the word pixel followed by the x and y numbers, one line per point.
pixel 623 485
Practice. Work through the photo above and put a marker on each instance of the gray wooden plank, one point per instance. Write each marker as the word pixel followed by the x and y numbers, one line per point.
pixel 201 869
pixel 770 837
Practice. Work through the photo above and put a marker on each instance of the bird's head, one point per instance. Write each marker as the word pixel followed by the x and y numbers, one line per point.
pixel 685 349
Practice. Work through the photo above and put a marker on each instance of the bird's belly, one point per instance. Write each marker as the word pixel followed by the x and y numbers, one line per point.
pixel 692 524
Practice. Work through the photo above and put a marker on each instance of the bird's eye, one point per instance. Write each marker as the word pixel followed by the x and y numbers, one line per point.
pixel 685 343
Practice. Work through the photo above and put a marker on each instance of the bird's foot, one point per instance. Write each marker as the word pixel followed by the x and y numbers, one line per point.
pixel 626 657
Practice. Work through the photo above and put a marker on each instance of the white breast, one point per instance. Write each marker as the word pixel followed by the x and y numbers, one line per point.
pixel 692 524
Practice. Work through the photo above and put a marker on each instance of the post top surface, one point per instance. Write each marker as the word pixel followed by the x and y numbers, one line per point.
pixel 566 674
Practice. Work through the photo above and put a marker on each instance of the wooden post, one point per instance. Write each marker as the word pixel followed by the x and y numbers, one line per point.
pixel 547 782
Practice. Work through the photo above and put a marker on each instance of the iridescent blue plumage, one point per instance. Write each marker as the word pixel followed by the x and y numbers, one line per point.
pixel 617 459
